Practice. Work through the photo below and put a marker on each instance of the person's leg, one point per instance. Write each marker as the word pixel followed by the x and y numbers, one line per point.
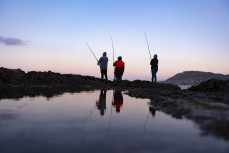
pixel 101 74
pixel 153 74
pixel 117 77
pixel 105 73
pixel 156 74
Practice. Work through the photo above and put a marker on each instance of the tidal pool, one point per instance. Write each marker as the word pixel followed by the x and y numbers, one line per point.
pixel 97 122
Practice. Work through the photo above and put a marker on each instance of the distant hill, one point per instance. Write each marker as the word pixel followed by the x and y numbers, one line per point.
pixel 195 77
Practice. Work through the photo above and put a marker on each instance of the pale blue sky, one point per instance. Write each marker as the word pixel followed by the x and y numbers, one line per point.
pixel 186 35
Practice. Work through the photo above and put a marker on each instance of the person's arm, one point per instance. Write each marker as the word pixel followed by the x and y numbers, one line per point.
pixel 99 61
pixel 151 62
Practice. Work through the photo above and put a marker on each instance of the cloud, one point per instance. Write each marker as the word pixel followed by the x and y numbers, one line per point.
pixel 12 41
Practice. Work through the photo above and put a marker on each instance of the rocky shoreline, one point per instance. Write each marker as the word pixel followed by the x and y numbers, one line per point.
pixel 207 104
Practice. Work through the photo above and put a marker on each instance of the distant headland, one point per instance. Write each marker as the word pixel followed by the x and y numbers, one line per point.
pixel 195 77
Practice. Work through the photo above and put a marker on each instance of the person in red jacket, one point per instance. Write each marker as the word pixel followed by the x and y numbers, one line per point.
pixel 119 68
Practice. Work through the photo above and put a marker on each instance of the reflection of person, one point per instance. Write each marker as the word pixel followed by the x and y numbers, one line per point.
pixel 118 100
pixel 101 104
pixel 152 109
pixel 103 65
pixel 154 68
pixel 119 68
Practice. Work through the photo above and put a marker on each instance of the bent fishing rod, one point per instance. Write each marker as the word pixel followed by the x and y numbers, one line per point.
pixel 91 51
pixel 148 45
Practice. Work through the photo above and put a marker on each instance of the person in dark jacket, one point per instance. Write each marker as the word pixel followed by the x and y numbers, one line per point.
pixel 103 65
pixel 119 68
pixel 154 68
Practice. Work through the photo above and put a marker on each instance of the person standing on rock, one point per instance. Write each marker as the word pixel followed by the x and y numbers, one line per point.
pixel 103 65
pixel 154 68
pixel 119 68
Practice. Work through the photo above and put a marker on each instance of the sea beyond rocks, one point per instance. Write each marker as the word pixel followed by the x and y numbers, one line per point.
pixel 207 103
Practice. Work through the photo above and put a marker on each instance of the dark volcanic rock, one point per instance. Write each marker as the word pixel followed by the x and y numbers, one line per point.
pixel 211 85
pixel 20 78
pixel 15 76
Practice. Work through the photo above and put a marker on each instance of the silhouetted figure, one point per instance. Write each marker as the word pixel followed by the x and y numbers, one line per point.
pixel 103 65
pixel 119 68
pixel 101 104
pixel 118 100
pixel 154 68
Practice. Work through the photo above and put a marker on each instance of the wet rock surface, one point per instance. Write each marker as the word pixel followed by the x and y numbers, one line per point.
pixel 207 104
pixel 212 85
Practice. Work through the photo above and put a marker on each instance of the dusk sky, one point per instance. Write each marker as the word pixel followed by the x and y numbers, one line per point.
pixel 43 35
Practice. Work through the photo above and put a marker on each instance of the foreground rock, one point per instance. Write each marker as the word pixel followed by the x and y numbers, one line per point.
pixel 207 103
pixel 18 78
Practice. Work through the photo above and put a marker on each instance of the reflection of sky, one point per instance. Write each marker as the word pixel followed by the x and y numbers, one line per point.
pixel 186 35
pixel 72 123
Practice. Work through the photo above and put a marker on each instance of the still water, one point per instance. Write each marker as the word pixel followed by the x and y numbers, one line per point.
pixel 95 122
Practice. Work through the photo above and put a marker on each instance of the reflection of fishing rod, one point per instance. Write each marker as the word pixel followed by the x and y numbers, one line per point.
pixel 148 45
pixel 83 121
pixel 91 51
pixel 113 50
pixel 145 125
pixel 152 110
pixel 109 124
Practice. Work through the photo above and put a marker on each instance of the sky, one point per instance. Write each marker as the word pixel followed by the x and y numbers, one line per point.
pixel 43 35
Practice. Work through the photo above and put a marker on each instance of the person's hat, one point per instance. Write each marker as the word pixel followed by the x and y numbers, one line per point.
pixel 120 58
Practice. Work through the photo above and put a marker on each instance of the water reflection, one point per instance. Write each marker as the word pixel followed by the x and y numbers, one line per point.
pixel 101 103
pixel 49 92
pixel 117 100
pixel 72 123
pixel 152 109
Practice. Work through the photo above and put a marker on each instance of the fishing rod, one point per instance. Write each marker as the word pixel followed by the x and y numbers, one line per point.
pixel 148 45
pixel 91 51
pixel 112 47
pixel 113 50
